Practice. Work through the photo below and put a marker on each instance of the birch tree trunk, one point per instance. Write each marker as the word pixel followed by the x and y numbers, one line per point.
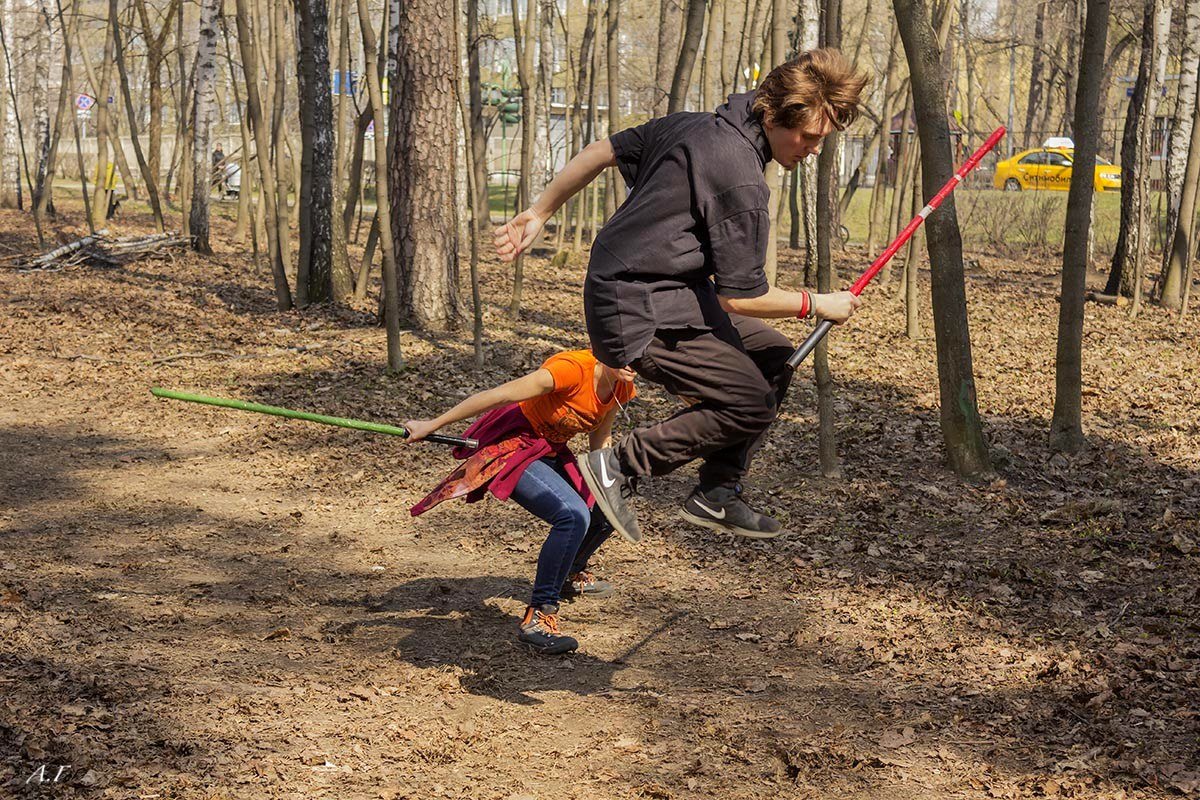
pixel 809 26
pixel 1182 249
pixel 1178 158
pixel 41 107
pixel 65 107
pixel 202 114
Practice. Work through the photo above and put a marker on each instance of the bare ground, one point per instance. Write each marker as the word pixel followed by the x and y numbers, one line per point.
pixel 205 604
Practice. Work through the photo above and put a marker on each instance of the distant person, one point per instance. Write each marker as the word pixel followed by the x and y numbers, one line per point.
pixel 218 169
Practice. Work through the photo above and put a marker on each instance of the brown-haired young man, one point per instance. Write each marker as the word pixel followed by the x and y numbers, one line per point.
pixel 675 285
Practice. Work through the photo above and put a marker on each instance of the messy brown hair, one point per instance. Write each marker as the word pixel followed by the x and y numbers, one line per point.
pixel 817 83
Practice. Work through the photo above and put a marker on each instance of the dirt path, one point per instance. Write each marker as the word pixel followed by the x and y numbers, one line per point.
pixel 207 604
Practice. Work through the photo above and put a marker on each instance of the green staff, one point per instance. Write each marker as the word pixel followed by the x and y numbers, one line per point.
pixel 341 422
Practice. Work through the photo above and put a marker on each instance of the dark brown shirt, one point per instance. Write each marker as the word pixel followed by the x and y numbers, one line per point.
pixel 694 226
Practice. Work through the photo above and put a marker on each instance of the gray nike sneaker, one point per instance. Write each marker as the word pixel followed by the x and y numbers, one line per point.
pixel 723 509
pixel 612 489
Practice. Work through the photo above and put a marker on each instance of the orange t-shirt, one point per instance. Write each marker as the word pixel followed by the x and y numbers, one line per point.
pixel 573 407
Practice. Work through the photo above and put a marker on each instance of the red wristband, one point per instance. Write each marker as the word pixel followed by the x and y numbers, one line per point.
pixel 805 306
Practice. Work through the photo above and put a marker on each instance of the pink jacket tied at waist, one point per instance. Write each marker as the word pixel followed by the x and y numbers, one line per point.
pixel 498 463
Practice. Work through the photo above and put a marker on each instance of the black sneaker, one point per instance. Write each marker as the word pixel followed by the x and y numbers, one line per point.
pixel 723 509
pixel 585 584
pixel 539 630
pixel 612 490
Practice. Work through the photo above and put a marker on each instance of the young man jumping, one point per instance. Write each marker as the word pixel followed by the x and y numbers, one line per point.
pixel 675 286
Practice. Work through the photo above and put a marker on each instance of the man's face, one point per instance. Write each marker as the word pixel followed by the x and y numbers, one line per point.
pixel 790 146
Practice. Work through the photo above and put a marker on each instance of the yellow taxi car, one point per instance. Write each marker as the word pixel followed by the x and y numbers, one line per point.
pixel 1050 168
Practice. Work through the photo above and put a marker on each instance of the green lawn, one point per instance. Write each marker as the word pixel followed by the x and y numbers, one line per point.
pixel 1016 219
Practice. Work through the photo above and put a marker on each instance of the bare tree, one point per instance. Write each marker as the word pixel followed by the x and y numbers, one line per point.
pixel 1066 428
pixel 155 43
pixel 585 84
pixel 886 112
pixel 774 173
pixel 46 200
pixel 525 45
pixel 248 48
pixel 616 185
pixel 474 228
pixel 383 216
pixel 831 35
pixel 476 130
pixel 1179 152
pixel 670 13
pixel 314 269
pixel 808 29
pixel 709 59
pixel 962 429
pixel 1182 248
pixel 41 111
pixel 687 56
pixel 148 176
pixel 1037 66
pixel 1134 158
pixel 8 122
pixel 100 200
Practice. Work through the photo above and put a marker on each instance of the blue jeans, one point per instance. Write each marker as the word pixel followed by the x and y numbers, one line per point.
pixel 575 532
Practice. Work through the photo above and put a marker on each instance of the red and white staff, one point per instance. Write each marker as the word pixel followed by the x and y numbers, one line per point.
pixel 803 350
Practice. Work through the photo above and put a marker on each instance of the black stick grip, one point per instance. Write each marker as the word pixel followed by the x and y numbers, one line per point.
pixel 807 347
pixel 458 441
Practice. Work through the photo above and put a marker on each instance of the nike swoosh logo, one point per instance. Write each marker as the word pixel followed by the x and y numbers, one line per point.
pixel 604 479
pixel 716 514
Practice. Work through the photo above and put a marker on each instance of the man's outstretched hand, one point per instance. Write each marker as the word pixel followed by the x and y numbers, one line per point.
pixel 518 234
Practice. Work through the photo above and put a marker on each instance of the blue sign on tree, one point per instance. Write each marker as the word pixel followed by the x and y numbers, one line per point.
pixel 344 82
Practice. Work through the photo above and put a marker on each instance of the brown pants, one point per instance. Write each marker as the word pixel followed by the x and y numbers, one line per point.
pixel 731 373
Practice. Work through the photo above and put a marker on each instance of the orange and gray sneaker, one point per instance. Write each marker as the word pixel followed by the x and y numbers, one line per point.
pixel 539 630
pixel 585 584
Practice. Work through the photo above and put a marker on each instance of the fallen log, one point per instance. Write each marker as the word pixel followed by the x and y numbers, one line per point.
pixel 99 251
